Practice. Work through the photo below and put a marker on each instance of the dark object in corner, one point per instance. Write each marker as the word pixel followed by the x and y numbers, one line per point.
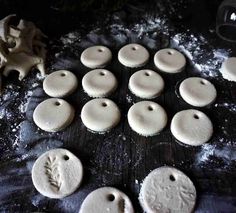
pixel 226 20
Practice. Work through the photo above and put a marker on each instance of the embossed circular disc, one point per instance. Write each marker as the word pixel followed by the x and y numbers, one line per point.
pixel 106 199
pixel 99 83
pixel 169 60
pixel 60 83
pixel 133 55
pixel 167 189
pixel 100 114
pixel 53 115
pixel 146 84
pixel 191 127
pixel 228 69
pixel 96 57
pixel 57 173
pixel 147 118
pixel 198 92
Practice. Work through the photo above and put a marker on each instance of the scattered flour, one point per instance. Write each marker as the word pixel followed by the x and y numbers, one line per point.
pixel 26 101
pixel 229 106
pixel 70 38
pixel 217 154
pixel 197 49
pixel 129 98
pixel 39 76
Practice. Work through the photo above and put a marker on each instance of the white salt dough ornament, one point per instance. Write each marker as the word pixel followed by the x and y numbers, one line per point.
pixel 100 115
pixel 53 115
pixel 198 92
pixel 147 118
pixel 60 84
pixel 133 55
pixel 228 69
pixel 106 199
pixel 96 57
pixel 169 60
pixel 57 173
pixel 99 83
pixel 146 84
pixel 167 189
pixel 191 127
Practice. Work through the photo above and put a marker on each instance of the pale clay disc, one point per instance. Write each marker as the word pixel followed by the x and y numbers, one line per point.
pixel 191 127
pixel 169 60
pixel 53 115
pixel 197 92
pixel 100 115
pixel 107 199
pixel 96 57
pixel 147 118
pixel 133 55
pixel 228 69
pixel 60 84
pixel 146 84
pixel 167 189
pixel 99 83
pixel 57 173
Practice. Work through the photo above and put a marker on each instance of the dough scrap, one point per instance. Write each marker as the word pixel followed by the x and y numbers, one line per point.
pixel 4 27
pixel 57 173
pixel 106 199
pixel 21 48
pixel 100 115
pixel 22 63
pixel 147 118
pixel 146 84
pixel 60 83
pixel 191 127
pixel 99 83
pixel 167 189
pixel 169 60
pixel 197 92
pixel 96 57
pixel 133 55
pixel 53 115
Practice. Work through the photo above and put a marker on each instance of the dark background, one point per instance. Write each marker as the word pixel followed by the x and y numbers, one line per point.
pixel 120 158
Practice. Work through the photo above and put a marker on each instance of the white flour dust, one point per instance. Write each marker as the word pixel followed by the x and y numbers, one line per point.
pixel 197 49
pixel 229 106
pixel 25 102
pixel 129 99
pixel 213 154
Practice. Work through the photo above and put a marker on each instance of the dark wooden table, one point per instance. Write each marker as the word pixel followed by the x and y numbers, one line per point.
pixel 119 158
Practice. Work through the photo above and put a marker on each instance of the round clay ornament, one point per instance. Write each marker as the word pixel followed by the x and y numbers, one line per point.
pixel 133 55
pixel 53 115
pixel 167 189
pixel 191 127
pixel 100 115
pixel 147 118
pixel 57 173
pixel 60 84
pixel 99 83
pixel 228 69
pixel 146 84
pixel 106 199
pixel 96 57
pixel 170 60
pixel 197 92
